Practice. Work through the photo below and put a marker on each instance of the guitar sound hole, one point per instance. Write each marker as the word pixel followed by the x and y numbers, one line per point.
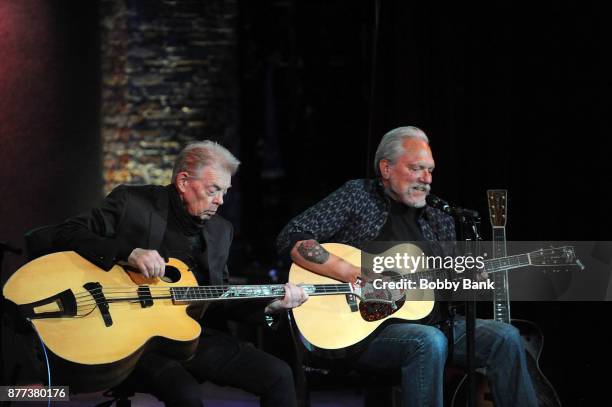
pixel 171 275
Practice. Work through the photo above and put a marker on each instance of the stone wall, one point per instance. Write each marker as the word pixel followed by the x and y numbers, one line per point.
pixel 169 76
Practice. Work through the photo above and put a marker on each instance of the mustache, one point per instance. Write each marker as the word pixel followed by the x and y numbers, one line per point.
pixel 425 187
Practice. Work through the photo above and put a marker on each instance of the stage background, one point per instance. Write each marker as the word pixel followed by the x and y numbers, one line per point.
pixel 513 96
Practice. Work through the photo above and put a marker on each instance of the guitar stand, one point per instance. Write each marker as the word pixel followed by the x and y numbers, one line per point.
pixel 469 222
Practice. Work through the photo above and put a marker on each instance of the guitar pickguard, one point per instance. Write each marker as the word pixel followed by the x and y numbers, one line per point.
pixel 378 304
pixel 375 311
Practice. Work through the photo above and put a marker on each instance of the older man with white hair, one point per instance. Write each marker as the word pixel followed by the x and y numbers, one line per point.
pixel 393 207
pixel 142 224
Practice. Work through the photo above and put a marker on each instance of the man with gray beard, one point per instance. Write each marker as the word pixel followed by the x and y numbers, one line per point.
pixel 393 207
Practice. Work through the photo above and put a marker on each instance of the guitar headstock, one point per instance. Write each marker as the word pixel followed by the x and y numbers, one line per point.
pixel 559 258
pixel 497 200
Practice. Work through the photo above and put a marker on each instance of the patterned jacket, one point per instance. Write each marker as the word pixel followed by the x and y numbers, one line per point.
pixel 354 214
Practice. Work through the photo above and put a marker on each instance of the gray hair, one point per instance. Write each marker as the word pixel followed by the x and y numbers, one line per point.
pixel 200 154
pixel 391 145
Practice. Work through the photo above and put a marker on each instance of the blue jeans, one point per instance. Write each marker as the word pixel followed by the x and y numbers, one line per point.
pixel 420 351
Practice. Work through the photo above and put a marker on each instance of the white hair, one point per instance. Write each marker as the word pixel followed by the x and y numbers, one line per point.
pixel 200 154
pixel 392 144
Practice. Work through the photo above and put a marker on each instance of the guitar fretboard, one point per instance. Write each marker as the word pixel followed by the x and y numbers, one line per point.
pixel 490 266
pixel 501 299
pixel 209 293
pixel 506 263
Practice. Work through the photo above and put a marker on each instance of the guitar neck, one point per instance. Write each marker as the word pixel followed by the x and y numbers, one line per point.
pixel 492 266
pixel 506 263
pixel 229 292
pixel 501 298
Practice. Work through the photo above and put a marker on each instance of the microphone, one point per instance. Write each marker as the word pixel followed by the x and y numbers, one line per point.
pixel 438 203
pixel 442 205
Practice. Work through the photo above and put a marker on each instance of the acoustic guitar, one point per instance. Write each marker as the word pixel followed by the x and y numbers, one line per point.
pixel 337 326
pixel 96 324
pixel 532 336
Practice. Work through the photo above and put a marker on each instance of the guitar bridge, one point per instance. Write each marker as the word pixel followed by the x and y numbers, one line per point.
pixel 101 302
pixel 352 302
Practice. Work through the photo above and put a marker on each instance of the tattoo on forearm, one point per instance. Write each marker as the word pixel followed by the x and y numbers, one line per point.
pixel 313 251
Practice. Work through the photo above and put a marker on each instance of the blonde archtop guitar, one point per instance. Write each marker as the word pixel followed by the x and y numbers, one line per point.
pixel 96 324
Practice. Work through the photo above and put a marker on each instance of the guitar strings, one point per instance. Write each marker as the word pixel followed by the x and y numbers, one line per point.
pixel 117 294
pixel 222 289
pixel 216 291
pixel 494 266
pixel 205 289
pixel 90 299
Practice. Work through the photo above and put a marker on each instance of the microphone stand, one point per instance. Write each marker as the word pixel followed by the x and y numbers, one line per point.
pixel 469 221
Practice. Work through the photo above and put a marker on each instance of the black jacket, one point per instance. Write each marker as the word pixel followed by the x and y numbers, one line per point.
pixel 136 217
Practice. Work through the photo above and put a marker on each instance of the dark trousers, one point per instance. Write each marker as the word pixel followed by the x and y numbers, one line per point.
pixel 221 359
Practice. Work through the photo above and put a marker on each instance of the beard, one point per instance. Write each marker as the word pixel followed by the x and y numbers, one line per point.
pixel 413 195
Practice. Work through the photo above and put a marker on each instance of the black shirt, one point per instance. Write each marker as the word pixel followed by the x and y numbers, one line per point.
pixel 401 224
pixel 184 239
pixel 401 227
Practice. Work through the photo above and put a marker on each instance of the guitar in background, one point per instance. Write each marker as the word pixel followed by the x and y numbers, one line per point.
pixel 533 339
